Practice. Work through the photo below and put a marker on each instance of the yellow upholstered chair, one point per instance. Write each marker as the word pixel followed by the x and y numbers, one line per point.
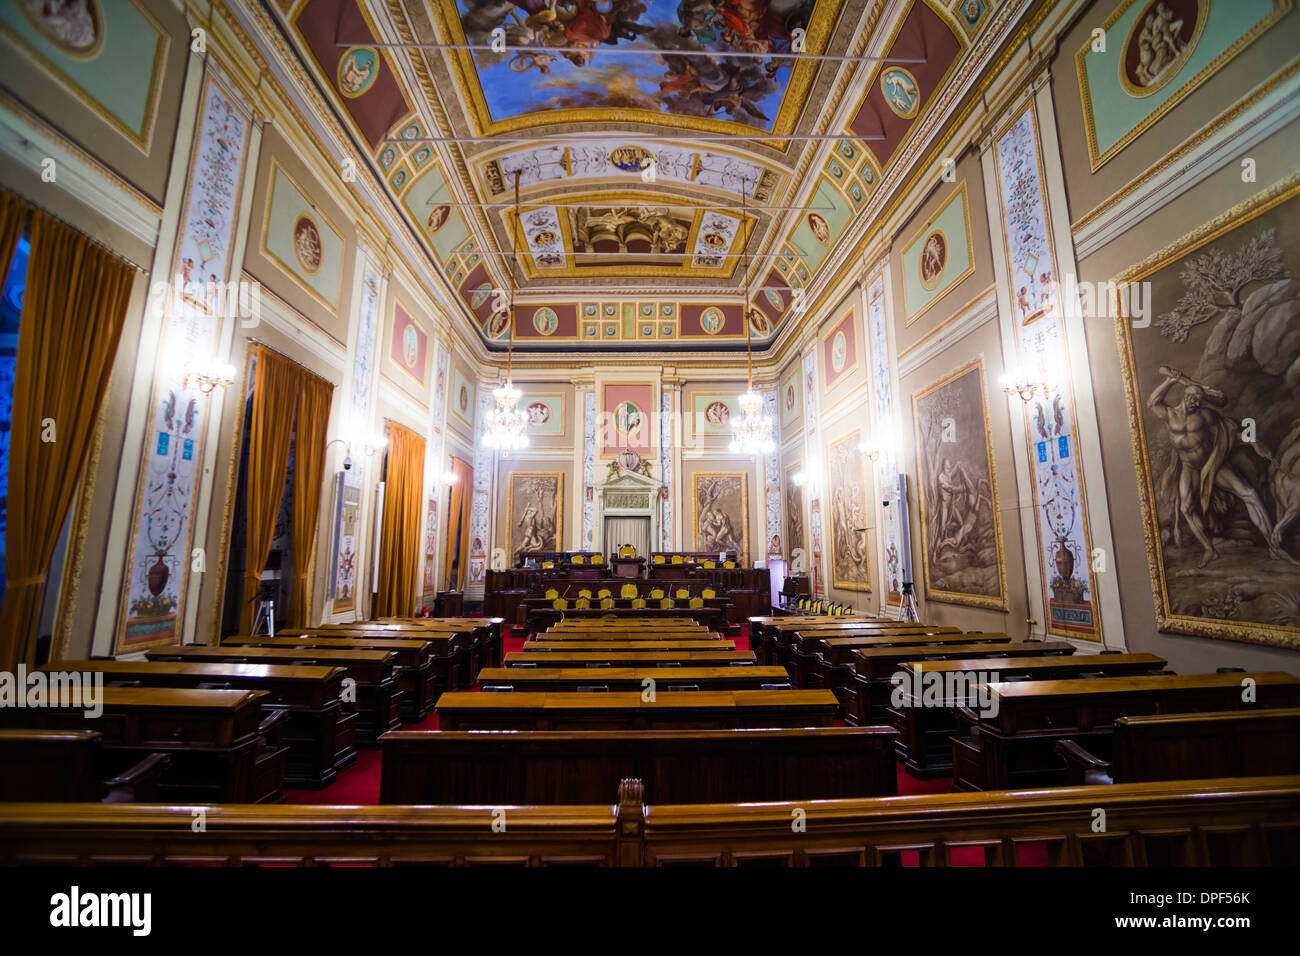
pixel 657 594
pixel 560 604
pixel 597 559
pixel 708 593
pixel 710 565
pixel 627 551
pixel 552 594
pixel 604 593
pixel 660 559
pixel 678 559
pixel 728 564
pixel 582 603
pixel 682 593
pixel 607 602
pixel 548 564
pixel 584 592
pixel 627 591
pixel 697 602
pixel 577 559
pixel 666 602
pixel 638 602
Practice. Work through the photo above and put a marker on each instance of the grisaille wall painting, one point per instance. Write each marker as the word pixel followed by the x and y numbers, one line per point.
pixel 721 512
pixel 536 512
pixel 961 533
pixel 1214 405
pixel 849 565
pixel 794 521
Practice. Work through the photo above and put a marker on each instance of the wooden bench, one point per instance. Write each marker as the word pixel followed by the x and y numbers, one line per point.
pixel 72 765
pixel 681 766
pixel 870 681
pixel 319 731
pixel 417 677
pixel 620 658
pixel 629 711
pixel 456 655
pixel 1248 821
pixel 713 618
pixel 1016 747
pixel 378 697
pixel 674 644
pixel 834 663
pixel 768 634
pixel 614 636
pixel 632 678
pixel 925 727
pixel 222 748
pixel 1235 743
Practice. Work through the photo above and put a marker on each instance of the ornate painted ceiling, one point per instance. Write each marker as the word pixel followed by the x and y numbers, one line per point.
pixel 668 155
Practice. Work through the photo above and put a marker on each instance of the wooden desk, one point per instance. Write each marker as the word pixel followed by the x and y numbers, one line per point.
pixel 210 735
pixel 378 696
pixel 418 677
pixel 925 732
pixel 319 732
pixel 665 645
pixel 553 679
pixel 629 636
pixel 827 661
pixel 521 767
pixel 711 617
pixel 1016 747
pixel 868 685
pixel 560 711
pixel 627 658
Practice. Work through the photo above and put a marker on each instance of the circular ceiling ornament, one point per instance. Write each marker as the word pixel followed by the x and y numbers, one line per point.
pixel 1159 43
pixel 820 228
pixel 306 243
pixel 934 258
pixel 839 351
pixel 546 321
pixel 901 92
pixel 631 159
pixel 437 218
pixel 712 319
pixel 358 70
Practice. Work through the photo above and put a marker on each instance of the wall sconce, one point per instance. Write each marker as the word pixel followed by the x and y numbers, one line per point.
pixel 447 478
pixel 809 478
pixel 882 444
pixel 1027 381
pixel 210 375
pixel 369 444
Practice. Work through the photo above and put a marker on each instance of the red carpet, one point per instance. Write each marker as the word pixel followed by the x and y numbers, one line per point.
pixel 359 784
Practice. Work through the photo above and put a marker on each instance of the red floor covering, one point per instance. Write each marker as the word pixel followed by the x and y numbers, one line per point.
pixel 359 784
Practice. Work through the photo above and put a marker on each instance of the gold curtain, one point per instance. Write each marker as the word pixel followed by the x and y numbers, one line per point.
pixel 275 391
pixel 73 312
pixel 399 549
pixel 314 398
pixel 13 213
pixel 458 507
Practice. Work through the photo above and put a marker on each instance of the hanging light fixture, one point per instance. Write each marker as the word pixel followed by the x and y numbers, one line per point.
pixel 752 432
pixel 506 423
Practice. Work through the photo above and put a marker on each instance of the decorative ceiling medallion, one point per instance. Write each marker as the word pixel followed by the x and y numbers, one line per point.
pixel 839 351
pixel 1161 39
pixel 774 297
pixel 789 397
pixel 437 218
pixel 901 93
pixel 631 159
pixel 306 244
pixel 546 321
pixel 628 417
pixel 496 324
pixel 759 322
pixel 934 258
pixel 410 346
pixel 539 413
pixel 480 295
pixel 712 320
pixel 358 70
pixel 820 228
pixel 76 27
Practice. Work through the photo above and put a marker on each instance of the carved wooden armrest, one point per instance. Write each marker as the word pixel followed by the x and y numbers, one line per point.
pixel 122 788
pixel 1082 767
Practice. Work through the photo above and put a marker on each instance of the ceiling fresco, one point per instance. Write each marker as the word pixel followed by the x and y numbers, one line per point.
pixel 671 158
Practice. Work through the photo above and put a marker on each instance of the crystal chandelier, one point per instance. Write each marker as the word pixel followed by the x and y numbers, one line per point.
pixel 505 425
pixel 752 432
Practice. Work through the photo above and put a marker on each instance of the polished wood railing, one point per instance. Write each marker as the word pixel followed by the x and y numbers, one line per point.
pixel 1239 822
